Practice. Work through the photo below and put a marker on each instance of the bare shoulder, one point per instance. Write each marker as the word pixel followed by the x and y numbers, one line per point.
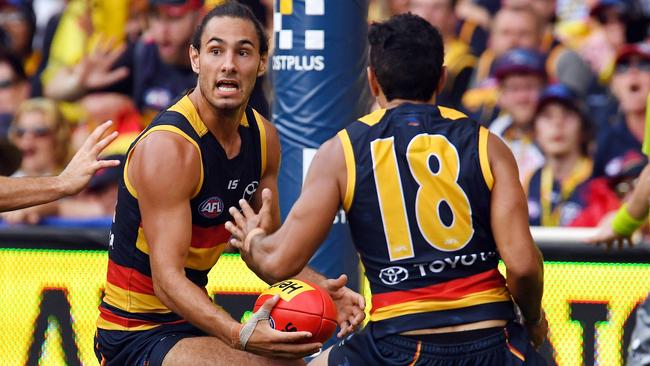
pixel 499 155
pixel 164 160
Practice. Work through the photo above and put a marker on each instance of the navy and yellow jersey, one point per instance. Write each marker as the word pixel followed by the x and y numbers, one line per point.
pixel 555 203
pixel 129 302
pixel 418 203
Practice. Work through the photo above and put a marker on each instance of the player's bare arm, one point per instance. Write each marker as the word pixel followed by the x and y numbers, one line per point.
pixel 284 253
pixel 16 193
pixel 307 222
pixel 523 260
pixel 164 186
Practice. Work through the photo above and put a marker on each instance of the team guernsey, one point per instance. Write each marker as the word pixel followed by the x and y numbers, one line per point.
pixel 422 171
pixel 129 302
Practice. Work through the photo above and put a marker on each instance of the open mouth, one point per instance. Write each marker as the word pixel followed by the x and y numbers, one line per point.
pixel 227 86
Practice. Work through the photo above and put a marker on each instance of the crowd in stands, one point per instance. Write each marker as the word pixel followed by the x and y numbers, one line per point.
pixel 564 83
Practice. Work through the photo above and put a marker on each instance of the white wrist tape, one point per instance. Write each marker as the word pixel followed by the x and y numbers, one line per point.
pixel 249 327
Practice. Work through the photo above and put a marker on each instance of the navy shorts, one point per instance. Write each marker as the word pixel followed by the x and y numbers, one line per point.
pixel 140 348
pixel 507 346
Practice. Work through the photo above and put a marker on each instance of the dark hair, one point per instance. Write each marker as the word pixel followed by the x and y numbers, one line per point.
pixel 14 64
pixel 406 54
pixel 232 9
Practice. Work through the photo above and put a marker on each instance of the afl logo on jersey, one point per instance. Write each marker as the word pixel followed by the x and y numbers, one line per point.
pixel 393 275
pixel 211 208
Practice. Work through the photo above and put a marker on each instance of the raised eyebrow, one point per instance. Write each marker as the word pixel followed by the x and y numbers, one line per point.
pixel 244 42
pixel 241 43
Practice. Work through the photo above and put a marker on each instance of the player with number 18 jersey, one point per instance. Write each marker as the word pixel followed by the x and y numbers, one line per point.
pixel 433 260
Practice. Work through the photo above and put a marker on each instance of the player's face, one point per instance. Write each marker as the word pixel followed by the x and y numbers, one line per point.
pixel 631 84
pixel 519 95
pixel 228 62
pixel 557 130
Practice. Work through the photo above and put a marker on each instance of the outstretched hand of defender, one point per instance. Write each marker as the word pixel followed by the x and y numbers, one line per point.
pixel 248 224
pixel 257 336
pixel 349 304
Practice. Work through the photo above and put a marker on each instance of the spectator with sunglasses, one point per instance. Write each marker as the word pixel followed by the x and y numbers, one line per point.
pixel 630 85
pixel 42 136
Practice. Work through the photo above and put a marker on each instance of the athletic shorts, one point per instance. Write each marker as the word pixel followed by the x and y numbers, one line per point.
pixel 509 346
pixel 140 348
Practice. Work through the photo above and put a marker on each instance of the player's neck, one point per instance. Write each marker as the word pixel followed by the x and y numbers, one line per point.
pixel 383 103
pixel 223 124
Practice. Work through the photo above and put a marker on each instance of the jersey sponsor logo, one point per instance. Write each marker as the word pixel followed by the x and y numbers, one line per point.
pixel 393 275
pixel 211 208
pixel 466 260
pixel 250 190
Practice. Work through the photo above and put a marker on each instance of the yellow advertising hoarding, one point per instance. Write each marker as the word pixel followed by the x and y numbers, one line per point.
pixel 49 299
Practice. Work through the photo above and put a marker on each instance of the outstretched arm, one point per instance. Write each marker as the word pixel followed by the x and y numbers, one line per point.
pixel 349 304
pixel 285 253
pixel 16 193
pixel 509 221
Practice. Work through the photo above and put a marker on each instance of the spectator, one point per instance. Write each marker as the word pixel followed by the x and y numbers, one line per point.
pixel 563 133
pixel 14 89
pixel 459 60
pixel 630 85
pixel 17 19
pixel 521 26
pixel 608 27
pixel 42 136
pixel 521 78
pixel 604 195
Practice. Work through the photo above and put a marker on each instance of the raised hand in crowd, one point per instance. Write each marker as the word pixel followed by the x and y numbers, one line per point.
pixel 93 72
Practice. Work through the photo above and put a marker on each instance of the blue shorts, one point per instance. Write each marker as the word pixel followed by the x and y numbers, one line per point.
pixel 507 346
pixel 140 348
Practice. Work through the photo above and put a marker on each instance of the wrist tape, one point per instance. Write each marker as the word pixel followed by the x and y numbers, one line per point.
pixel 624 224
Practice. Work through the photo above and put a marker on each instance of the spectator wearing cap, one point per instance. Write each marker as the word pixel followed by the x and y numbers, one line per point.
pixel 563 133
pixel 521 78
pixel 630 85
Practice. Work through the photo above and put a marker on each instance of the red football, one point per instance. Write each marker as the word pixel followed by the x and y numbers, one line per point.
pixel 303 306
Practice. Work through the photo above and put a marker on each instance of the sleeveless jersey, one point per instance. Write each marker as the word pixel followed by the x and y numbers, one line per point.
pixel 129 301
pixel 418 204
